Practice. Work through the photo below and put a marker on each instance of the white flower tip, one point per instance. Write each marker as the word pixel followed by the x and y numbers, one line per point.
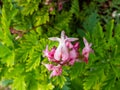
pixel 84 40
pixel 62 34
pixel 54 38
pixel 114 14
pixel 72 39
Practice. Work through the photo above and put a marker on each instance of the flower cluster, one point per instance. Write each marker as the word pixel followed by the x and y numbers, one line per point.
pixel 66 53
pixel 52 4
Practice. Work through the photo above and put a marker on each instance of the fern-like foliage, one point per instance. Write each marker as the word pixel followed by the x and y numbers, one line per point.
pixel 26 25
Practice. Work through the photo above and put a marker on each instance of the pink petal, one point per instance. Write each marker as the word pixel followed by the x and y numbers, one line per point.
pixel 73 54
pixel 86 50
pixel 51 9
pixel 85 60
pixel 60 6
pixel 65 54
pixel 58 53
pixel 71 62
pixel 71 39
pixel 63 36
pixel 54 39
pixel 76 46
pixel 69 45
pixel 46 51
pixel 62 51
pixel 49 54
pixel 85 41
pixel 49 66
pixel 57 70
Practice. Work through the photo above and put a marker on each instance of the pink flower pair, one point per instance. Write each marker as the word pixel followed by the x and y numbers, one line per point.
pixel 59 4
pixel 86 50
pixel 56 70
pixel 66 53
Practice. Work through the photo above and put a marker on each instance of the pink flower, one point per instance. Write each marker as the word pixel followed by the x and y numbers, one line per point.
pixel 60 5
pixel 56 71
pixel 65 54
pixel 74 54
pixel 49 54
pixel 76 46
pixel 49 66
pixel 51 9
pixel 69 45
pixel 62 52
pixel 86 50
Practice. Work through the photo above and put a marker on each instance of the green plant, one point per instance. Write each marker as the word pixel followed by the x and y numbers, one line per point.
pixel 26 25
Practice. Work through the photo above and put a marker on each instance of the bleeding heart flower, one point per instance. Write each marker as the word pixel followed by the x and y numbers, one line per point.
pixel 74 54
pixel 60 6
pixel 69 45
pixel 56 71
pixel 65 54
pixel 76 46
pixel 48 66
pixel 86 50
pixel 61 52
pixel 49 54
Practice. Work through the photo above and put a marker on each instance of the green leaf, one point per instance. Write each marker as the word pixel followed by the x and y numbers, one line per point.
pixel 7 55
pixel 109 29
pixel 117 85
pixel 60 81
pixel 76 84
pixel 19 83
pixel 16 71
pixel 33 62
pixel 109 83
pixel 117 30
pixel 65 87
pixel 22 54
pixel 30 44
pixel 62 20
pixel 29 7
pixel 48 86
pixel 81 32
pixel 4 51
pixel 6 20
pixel 75 7
pixel 42 17
pixel 9 59
pixel 76 70
pixel 90 22
pixel 1 34
pixel 99 30
pixel 32 83
pixel 90 81
pixel 116 70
